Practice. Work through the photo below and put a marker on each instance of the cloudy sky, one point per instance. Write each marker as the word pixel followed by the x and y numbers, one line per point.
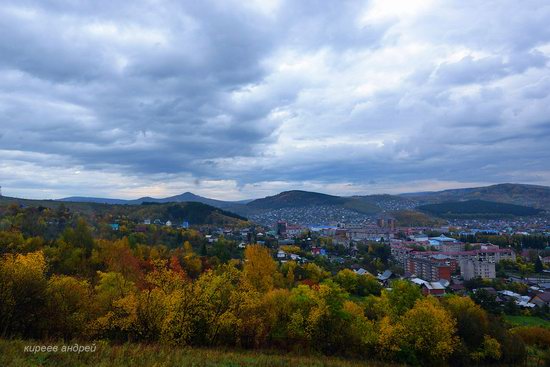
pixel 236 99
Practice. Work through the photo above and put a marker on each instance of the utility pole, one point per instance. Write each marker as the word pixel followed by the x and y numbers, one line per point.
pixel 0 191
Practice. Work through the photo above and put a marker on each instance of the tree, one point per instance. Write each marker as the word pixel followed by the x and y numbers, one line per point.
pixel 112 286
pixel 367 285
pixel 259 268
pixel 472 320
pixel 400 298
pixel 490 350
pixel 347 279
pixel 80 236
pixel 486 300
pixel 22 294
pixel 68 307
pixel 428 331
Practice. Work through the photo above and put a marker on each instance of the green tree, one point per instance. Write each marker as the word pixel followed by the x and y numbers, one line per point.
pixel 400 298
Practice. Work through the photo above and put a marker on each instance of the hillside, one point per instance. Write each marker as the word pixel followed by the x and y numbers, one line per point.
pixel 306 199
pixel 296 198
pixel 519 194
pixel 142 355
pixel 477 209
pixel 413 218
pixel 193 212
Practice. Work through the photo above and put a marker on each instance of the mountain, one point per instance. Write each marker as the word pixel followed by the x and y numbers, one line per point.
pixel 296 198
pixel 300 199
pixel 193 212
pixel 477 209
pixel 185 197
pixel 518 194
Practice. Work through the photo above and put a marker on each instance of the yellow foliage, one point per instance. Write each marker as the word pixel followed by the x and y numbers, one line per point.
pixel 429 330
pixel 259 268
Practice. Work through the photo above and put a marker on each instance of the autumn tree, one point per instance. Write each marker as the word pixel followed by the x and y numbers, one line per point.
pixel 259 268
pixel 472 320
pixel 427 330
pixel 400 298
pixel 22 294
pixel 69 307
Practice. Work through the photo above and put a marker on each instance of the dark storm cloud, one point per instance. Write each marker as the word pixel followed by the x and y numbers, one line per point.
pixel 247 93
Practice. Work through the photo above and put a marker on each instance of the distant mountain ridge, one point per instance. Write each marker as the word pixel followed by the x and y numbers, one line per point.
pixel 519 194
pixel 185 197
pixel 478 209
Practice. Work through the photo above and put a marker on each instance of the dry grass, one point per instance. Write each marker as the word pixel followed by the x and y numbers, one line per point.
pixel 12 354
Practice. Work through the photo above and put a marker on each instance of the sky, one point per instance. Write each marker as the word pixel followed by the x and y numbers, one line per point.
pixel 241 99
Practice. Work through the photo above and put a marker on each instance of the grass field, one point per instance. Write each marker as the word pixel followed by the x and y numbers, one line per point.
pixel 12 354
pixel 527 321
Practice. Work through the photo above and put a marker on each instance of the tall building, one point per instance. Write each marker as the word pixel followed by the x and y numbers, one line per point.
pixel 470 269
pixel 431 269
pixel 281 228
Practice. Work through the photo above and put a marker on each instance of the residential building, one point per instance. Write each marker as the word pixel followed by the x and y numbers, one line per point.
pixel 541 299
pixel 470 269
pixel 430 268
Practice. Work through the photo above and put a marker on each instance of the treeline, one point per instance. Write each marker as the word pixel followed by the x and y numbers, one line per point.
pixel 84 288
pixel 516 241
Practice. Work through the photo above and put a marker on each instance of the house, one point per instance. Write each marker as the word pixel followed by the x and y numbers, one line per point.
pixel 317 251
pixel 430 288
pixel 295 257
pixel 541 299
pixel 115 226
pixel 385 276
pixel 361 271
pixel 506 294
pixel 433 288
pixel 440 240
pixel 140 228
pixel 457 288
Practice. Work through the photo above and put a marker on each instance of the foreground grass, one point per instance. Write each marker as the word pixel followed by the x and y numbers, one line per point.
pixel 527 321
pixel 12 354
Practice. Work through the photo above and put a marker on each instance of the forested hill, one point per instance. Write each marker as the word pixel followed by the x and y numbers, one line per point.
pixel 300 199
pixel 296 198
pixel 192 212
pixel 519 194
pixel 477 209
